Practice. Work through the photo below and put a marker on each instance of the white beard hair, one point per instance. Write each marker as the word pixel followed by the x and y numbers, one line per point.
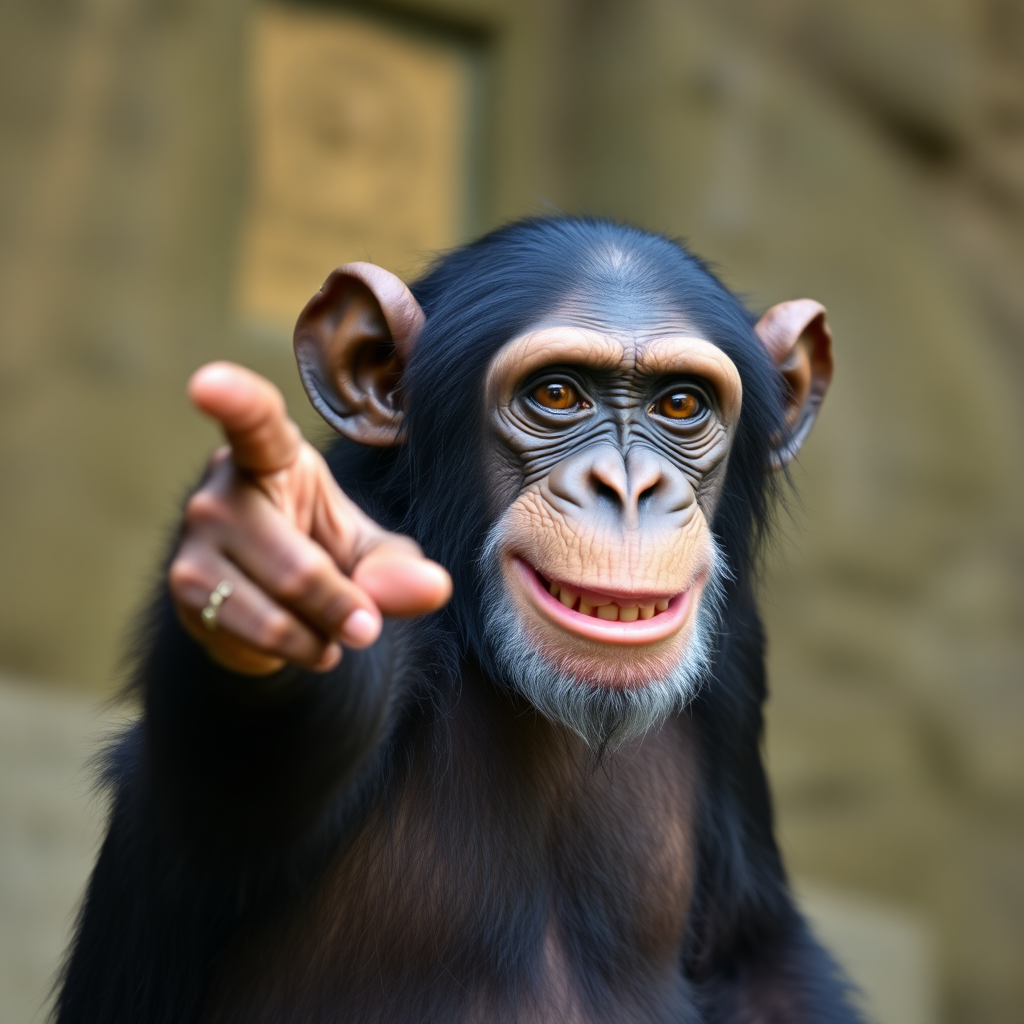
pixel 604 718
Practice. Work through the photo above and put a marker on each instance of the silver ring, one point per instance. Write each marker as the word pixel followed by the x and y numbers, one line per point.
pixel 218 596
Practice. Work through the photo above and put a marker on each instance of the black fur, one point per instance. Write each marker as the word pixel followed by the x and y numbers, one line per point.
pixel 405 788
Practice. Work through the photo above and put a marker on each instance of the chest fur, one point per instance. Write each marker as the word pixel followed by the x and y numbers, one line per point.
pixel 503 867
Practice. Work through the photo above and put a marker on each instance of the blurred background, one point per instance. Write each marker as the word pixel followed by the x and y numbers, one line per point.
pixel 176 179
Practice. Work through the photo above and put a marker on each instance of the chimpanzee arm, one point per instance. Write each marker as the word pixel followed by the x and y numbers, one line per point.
pixel 241 763
pixel 751 953
pixel 227 789
pixel 253 720
pixel 759 962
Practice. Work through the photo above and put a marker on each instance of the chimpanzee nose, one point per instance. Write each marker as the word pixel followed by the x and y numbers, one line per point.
pixel 637 481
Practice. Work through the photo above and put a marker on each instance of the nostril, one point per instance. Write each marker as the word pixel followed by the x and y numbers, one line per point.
pixel 605 492
pixel 647 494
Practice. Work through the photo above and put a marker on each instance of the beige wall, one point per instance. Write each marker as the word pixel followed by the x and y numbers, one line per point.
pixel 867 154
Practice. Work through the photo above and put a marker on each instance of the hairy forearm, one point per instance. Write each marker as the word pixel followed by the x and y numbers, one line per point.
pixel 244 759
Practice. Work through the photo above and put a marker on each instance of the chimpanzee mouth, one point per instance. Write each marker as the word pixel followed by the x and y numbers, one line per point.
pixel 603 606
pixel 604 616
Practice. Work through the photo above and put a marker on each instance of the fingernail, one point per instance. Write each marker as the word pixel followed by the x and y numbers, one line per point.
pixel 330 659
pixel 360 629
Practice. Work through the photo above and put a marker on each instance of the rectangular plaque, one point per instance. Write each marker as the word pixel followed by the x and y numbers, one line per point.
pixel 360 152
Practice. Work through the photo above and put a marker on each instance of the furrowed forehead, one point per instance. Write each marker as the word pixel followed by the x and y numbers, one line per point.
pixel 615 304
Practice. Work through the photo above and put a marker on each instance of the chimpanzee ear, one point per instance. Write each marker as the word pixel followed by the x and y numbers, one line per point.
pixel 797 336
pixel 352 343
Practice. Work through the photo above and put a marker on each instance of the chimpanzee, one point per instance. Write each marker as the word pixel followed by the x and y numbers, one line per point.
pixel 542 800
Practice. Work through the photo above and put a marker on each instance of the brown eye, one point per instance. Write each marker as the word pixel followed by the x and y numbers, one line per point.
pixel 558 394
pixel 679 405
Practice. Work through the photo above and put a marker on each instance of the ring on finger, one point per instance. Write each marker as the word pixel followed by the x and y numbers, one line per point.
pixel 218 596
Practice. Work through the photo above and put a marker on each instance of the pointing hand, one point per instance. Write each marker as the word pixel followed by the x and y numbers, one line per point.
pixel 308 570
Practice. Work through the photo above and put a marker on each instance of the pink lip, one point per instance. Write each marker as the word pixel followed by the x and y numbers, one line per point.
pixel 643 631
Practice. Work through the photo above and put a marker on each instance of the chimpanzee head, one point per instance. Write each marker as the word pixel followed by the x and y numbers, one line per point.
pixel 585 425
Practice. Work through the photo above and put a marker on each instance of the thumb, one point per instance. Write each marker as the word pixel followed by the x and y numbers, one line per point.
pixel 400 580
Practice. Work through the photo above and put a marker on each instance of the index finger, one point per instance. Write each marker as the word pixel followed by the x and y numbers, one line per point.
pixel 252 414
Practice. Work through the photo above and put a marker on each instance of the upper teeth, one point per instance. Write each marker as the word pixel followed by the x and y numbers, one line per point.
pixel 611 612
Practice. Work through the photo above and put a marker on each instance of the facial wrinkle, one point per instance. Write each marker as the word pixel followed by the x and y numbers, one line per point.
pixel 622 312
pixel 538 462
pixel 619 373
pixel 547 532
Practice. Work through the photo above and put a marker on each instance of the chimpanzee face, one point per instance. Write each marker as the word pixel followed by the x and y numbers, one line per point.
pixel 610 451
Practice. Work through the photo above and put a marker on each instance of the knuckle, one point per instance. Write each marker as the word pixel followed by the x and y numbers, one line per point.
pixel 204 508
pixel 308 457
pixel 184 575
pixel 300 575
pixel 406 544
pixel 274 632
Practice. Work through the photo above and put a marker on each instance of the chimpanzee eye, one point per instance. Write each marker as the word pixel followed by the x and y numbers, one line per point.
pixel 679 405
pixel 558 394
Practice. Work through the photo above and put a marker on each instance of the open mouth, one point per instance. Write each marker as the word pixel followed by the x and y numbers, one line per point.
pixel 606 616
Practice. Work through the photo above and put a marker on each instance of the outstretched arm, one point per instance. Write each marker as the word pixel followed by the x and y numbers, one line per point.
pixel 249 750
pixel 252 724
